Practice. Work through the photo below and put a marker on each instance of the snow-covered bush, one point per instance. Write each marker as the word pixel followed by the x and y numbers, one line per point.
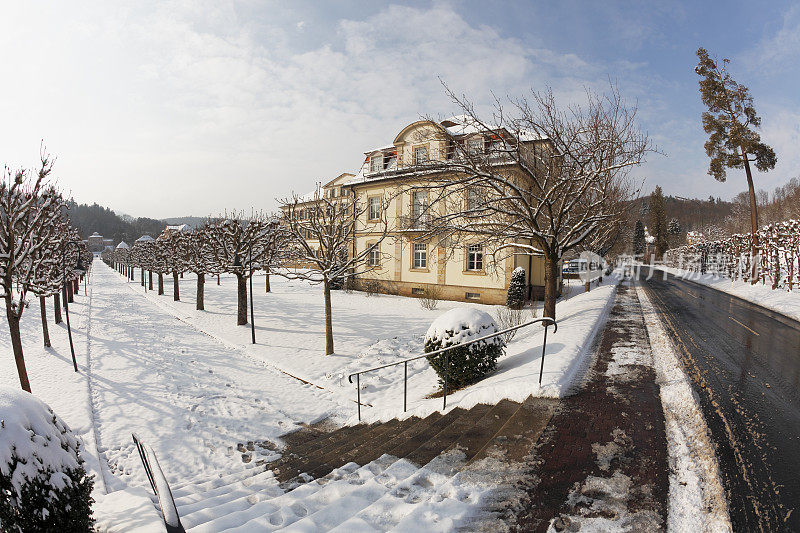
pixel 468 364
pixel 516 289
pixel 43 484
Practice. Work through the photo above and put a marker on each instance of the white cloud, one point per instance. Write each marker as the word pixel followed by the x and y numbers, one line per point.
pixel 167 108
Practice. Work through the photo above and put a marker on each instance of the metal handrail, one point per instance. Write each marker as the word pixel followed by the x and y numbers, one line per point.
pixel 547 320
pixel 158 482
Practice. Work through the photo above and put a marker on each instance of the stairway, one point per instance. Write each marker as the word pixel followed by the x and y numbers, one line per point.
pixel 364 477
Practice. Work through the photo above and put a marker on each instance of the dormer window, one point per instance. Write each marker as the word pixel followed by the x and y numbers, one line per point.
pixel 475 145
pixel 376 163
pixel 420 155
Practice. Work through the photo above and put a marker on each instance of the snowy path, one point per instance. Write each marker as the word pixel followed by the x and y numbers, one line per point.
pixel 187 394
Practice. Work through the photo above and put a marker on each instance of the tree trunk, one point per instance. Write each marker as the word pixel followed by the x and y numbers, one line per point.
pixel 753 217
pixel 70 299
pixel 16 344
pixel 76 287
pixel 176 287
pixel 201 283
pixel 45 332
pixel 142 276
pixel 160 284
pixel 149 280
pixel 328 319
pixel 57 307
pixel 241 288
pixel 217 279
pixel 550 287
pixel 268 287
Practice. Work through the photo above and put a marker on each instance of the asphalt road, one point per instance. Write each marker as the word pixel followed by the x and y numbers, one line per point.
pixel 744 363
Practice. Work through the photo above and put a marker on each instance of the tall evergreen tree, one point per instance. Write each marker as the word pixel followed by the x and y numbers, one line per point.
pixel 638 238
pixel 731 122
pixel 658 222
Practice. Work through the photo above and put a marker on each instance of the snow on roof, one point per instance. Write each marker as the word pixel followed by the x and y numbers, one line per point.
pixel 178 227
pixel 145 238
pixel 95 234
pixel 381 149
pixel 122 245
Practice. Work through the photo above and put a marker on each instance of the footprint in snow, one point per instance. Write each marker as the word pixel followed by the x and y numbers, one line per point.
pixel 299 510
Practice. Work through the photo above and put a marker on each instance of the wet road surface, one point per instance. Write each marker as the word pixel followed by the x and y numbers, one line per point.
pixel 744 363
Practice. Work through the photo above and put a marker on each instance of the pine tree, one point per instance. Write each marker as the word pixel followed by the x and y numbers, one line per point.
pixel 658 222
pixel 674 227
pixel 516 289
pixel 731 121
pixel 638 238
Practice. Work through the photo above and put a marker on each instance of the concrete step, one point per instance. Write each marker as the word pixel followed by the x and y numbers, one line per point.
pixel 319 460
pixel 515 440
pixel 477 436
pixel 372 447
pixel 409 441
pixel 436 444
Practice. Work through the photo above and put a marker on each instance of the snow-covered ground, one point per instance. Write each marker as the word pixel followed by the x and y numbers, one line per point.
pixel 696 495
pixel 192 386
pixel 782 301
pixel 374 330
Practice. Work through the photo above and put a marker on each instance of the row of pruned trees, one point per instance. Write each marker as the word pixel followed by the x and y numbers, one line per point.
pixel 35 257
pixel 321 240
pixel 777 257
pixel 234 244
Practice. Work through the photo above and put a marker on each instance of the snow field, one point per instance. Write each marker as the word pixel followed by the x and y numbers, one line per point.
pixel 697 500
pixel 375 330
pixel 192 386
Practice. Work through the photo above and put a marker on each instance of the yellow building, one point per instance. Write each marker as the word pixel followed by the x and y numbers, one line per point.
pixel 409 261
pixel 391 184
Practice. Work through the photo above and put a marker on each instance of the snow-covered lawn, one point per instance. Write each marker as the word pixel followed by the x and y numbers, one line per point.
pixel 374 330
pixel 779 300
pixel 192 386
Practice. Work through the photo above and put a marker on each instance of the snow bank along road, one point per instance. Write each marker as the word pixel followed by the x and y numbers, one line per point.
pixel 744 363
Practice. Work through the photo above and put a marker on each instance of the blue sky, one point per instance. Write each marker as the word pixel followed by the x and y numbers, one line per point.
pixel 172 108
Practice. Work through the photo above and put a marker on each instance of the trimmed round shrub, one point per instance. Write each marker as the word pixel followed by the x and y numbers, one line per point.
pixel 43 484
pixel 468 364
pixel 516 289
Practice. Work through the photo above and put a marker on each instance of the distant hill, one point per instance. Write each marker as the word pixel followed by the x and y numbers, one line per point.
pixel 194 222
pixel 90 218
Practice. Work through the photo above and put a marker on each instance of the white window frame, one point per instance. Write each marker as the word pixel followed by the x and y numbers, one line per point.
pixel 474 198
pixel 475 258
pixel 376 162
pixel 374 208
pixel 475 145
pixel 419 256
pixel 374 256
pixel 420 149
pixel 419 210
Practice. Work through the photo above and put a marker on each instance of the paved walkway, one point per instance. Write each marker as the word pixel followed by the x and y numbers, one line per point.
pixel 602 463
pixel 185 393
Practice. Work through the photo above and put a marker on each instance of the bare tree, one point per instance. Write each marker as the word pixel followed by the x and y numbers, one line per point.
pixel 199 258
pixel 544 181
pixel 29 211
pixel 323 238
pixel 235 240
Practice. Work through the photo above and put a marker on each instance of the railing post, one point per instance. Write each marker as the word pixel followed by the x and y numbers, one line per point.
pixel 446 372
pixel 405 387
pixel 358 395
pixel 544 347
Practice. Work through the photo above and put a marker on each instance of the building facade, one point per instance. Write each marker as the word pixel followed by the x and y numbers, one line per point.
pixel 394 184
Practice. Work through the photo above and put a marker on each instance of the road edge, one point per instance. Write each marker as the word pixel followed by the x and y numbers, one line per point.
pixel 697 500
